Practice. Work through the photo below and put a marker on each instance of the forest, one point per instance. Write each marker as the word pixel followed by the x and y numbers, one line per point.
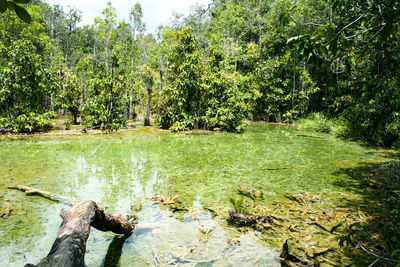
pixel 273 122
pixel 334 63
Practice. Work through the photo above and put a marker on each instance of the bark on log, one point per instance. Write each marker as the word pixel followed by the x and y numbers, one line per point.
pixel 70 246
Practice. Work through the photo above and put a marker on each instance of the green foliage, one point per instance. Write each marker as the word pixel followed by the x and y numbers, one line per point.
pixel 271 91
pixel 225 106
pixel 360 44
pixel 392 232
pixel 102 107
pixel 25 88
pixel 69 97
pixel 351 233
pixel 30 122
pixel 278 61
pixel 198 95
pixel 19 10
pixel 373 112
pixel 318 122
pixel 239 206
pixel 182 97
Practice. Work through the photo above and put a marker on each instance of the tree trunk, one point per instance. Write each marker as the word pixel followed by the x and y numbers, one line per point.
pixel 125 104
pixel 52 96
pixel 147 119
pixel 70 246
pixel 75 114
pixel 131 104
pixel 166 73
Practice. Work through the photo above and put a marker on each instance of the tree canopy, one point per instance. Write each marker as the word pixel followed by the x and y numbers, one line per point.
pixel 277 61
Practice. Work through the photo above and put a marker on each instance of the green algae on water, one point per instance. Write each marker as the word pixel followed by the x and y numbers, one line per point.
pixel 118 170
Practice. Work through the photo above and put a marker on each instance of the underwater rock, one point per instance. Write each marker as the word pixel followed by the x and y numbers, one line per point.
pixel 178 207
pixel 136 207
pixel 242 219
pixel 211 209
pixel 305 199
pixel 250 192
pixel 205 230
pixel 6 209
pixel 170 199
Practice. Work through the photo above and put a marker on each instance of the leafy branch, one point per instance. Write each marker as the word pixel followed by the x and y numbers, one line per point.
pixel 19 10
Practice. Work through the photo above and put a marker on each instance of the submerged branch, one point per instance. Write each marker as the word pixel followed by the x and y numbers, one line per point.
pixel 49 195
pixel 376 255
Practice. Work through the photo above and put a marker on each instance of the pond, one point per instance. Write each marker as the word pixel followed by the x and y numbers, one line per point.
pixel 120 170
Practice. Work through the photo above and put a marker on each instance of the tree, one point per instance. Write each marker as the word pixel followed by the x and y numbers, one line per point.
pixel 181 98
pixel 104 29
pixel 26 84
pixel 73 16
pixel 147 75
pixel 69 97
pixel 102 108
pixel 137 30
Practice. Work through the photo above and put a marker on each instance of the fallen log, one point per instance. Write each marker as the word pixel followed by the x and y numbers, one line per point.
pixel 49 195
pixel 70 245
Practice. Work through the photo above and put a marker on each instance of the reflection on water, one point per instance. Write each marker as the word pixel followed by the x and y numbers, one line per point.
pixel 120 170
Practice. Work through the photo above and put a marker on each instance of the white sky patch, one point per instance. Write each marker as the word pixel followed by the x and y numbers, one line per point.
pixel 155 12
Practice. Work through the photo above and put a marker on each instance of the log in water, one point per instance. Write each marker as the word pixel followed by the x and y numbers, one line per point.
pixel 70 245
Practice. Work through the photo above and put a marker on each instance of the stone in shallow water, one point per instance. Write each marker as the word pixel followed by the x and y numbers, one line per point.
pixel 6 209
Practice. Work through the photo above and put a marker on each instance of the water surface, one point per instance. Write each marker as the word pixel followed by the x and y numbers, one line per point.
pixel 119 170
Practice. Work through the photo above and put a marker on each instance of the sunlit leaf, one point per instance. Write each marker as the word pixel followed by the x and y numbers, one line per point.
pixel 293 39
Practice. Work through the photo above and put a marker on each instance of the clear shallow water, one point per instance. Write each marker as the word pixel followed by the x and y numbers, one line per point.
pixel 119 170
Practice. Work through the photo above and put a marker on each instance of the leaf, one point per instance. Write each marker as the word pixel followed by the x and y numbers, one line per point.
pixel 293 39
pixel 22 13
pixel 22 1
pixel 284 18
pixel 336 4
pixel 323 50
pixel 334 228
pixel 343 239
pixel 287 56
pixel 396 252
pixel 3 6
pixel 356 225
pixel 333 47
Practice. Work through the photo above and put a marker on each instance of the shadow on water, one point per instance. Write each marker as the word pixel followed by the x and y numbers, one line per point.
pixel 378 185
pixel 114 251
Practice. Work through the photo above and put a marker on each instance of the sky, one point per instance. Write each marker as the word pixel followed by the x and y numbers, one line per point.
pixel 155 12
